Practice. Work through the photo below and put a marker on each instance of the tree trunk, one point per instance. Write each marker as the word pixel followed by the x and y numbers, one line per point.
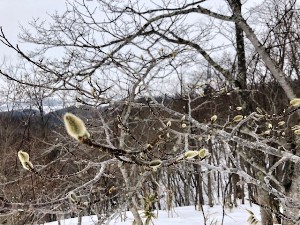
pixel 79 219
pixel 240 50
pixel 293 192
pixel 199 201
pixel 276 72
pixel 209 190
pixel 264 200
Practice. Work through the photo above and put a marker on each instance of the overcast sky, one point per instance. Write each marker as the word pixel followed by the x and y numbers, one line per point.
pixel 14 13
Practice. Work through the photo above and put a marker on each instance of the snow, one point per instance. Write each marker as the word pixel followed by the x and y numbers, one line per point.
pixel 181 216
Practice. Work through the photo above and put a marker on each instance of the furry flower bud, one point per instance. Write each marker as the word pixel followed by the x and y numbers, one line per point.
pixel 24 159
pixel 237 118
pixel 213 118
pixel 190 154
pixel 75 127
pixel 295 102
pixel 154 164
pixel 203 153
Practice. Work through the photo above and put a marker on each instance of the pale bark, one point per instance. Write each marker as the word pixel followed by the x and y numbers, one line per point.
pixel 264 200
pixel 269 62
pixel 294 193
pixel 278 74
pixel 132 202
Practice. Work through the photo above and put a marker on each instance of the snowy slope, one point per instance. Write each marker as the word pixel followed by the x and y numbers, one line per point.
pixel 182 216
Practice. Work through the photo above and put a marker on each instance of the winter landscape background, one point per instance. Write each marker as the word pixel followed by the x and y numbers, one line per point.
pixel 171 111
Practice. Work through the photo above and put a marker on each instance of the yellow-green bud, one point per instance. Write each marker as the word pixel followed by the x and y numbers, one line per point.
pixel 213 118
pixel 269 125
pixel 169 123
pixel 295 102
pixel 297 132
pixel 203 153
pixel 23 156
pixel 75 127
pixel 24 159
pixel 73 197
pixel 237 118
pixel 296 127
pixel 190 154
pixel 154 164
pixel 27 165
pixel 259 110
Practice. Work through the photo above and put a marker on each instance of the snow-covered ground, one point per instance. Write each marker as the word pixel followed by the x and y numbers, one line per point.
pixel 182 216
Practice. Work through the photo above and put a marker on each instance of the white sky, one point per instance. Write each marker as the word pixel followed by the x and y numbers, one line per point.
pixel 14 13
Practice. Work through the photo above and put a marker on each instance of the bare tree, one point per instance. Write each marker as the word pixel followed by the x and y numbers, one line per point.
pixel 159 95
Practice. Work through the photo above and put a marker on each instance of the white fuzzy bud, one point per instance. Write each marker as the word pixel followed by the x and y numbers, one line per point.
pixel 237 118
pixel 203 153
pixel 169 123
pixel 213 118
pixel 190 154
pixel 75 127
pixel 155 164
pixel 24 159
pixel 295 102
